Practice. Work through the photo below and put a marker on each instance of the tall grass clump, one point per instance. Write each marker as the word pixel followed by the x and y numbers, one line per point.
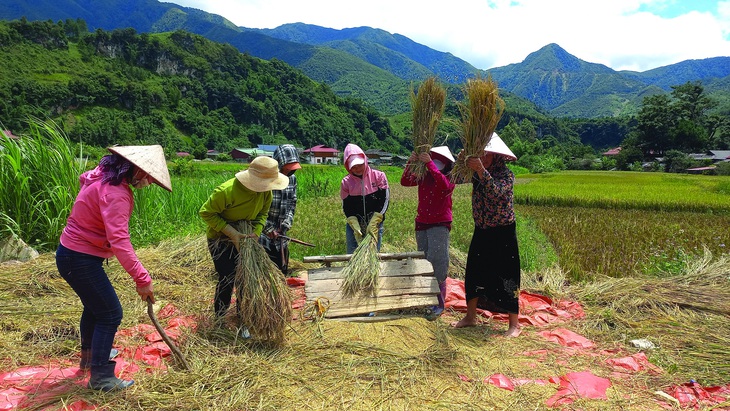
pixel 480 115
pixel 428 108
pixel 39 179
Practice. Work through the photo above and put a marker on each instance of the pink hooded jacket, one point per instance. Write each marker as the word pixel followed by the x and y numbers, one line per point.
pixel 363 195
pixel 370 182
pixel 99 224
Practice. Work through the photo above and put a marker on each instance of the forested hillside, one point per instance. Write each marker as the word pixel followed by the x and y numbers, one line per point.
pixel 176 89
pixel 379 66
pixel 190 94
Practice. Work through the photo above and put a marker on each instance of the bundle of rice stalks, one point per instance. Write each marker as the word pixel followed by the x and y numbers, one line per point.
pixel 480 116
pixel 361 274
pixel 428 108
pixel 261 291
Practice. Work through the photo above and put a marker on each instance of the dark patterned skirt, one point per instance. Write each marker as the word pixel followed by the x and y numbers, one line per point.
pixel 493 269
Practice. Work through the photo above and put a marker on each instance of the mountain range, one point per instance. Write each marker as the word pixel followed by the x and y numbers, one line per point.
pixel 381 68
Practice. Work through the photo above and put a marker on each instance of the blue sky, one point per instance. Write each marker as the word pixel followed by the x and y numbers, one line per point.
pixel 622 34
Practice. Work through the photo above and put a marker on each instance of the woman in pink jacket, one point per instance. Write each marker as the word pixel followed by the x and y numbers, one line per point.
pixel 365 196
pixel 433 216
pixel 98 229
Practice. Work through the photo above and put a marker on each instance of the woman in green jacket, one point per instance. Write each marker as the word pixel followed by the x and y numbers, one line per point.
pixel 246 197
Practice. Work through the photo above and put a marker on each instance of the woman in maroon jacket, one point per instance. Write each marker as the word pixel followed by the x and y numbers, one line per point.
pixel 433 217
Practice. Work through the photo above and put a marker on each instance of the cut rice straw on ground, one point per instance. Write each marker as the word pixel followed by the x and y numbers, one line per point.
pixel 428 108
pixel 480 116
pixel 404 364
pixel 690 312
pixel 261 292
pixel 361 274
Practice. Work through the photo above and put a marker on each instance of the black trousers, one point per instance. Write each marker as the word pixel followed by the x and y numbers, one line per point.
pixel 225 260
pixel 279 257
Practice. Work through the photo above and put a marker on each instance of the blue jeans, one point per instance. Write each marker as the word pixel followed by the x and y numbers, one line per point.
pixel 352 241
pixel 102 312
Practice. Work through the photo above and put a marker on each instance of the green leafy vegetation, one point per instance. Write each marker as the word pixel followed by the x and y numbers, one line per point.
pixel 175 89
pixel 190 94
pixel 37 177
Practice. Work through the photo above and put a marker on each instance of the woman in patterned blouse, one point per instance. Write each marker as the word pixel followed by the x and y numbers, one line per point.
pixel 493 263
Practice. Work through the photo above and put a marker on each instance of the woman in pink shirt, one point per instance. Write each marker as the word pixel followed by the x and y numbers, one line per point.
pixel 98 229
pixel 433 217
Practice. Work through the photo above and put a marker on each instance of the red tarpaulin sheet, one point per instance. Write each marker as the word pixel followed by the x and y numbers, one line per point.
pixel 576 385
pixel 571 386
pixel 536 310
pixel 503 381
pixel 29 387
pixel 34 386
pixel 696 396
pixel 297 287
pixel 634 363
pixel 567 338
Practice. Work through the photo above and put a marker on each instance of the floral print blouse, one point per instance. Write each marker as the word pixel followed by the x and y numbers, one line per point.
pixel 492 198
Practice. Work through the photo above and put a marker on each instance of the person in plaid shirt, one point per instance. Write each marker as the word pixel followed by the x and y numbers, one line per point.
pixel 283 205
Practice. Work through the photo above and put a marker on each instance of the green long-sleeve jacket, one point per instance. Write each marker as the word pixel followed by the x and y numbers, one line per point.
pixel 232 201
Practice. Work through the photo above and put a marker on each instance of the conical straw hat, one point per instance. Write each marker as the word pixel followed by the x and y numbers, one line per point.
pixel 444 152
pixel 263 175
pixel 497 146
pixel 150 159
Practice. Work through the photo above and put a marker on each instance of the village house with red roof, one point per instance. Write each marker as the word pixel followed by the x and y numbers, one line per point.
pixel 321 154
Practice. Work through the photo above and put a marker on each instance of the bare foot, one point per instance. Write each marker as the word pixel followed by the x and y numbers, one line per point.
pixel 513 332
pixel 464 322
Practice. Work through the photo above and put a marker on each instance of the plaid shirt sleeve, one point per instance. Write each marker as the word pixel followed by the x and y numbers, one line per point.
pixel 281 213
pixel 288 205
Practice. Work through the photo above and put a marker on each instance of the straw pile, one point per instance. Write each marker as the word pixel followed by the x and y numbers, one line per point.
pixel 261 292
pixel 361 274
pixel 480 116
pixel 428 108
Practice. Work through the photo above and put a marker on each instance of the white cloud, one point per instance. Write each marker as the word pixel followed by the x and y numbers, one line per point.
pixel 493 33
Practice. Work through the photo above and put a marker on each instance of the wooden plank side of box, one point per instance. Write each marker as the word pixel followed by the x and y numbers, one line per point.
pixel 403 284
pixel 374 304
pixel 317 287
pixel 335 296
pixel 387 269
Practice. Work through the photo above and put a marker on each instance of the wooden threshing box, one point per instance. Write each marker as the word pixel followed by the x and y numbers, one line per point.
pixel 406 281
